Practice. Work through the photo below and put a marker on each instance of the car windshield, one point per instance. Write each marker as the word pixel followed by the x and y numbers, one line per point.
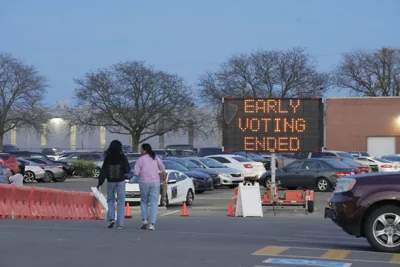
pixel 242 159
pixel 345 155
pixel 186 163
pixel 212 163
pixel 364 154
pixel 255 156
pixel 174 166
pixel 382 160
pixel 336 164
pixel 350 162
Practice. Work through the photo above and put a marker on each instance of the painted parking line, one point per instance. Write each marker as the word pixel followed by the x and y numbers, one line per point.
pixel 308 262
pixel 333 254
pixel 169 213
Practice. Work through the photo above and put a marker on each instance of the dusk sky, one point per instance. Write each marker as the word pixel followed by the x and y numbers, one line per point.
pixel 65 39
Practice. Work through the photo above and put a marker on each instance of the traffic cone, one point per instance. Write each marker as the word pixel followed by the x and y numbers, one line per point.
pixel 127 211
pixel 184 210
pixel 230 209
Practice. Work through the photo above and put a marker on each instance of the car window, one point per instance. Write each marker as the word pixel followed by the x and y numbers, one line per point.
pixel 172 176
pixel 350 162
pixel 312 165
pixel 242 159
pixel 38 156
pixel 365 154
pixel 186 163
pixel 174 166
pixel 37 160
pixel 345 155
pixel 212 163
pixel 322 154
pixel 294 166
pixel 4 157
pixel 382 160
pixel 336 164
pixel 221 159
pixel 23 162
pixel 180 176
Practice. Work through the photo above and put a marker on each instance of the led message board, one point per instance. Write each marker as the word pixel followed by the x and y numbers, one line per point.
pixel 266 124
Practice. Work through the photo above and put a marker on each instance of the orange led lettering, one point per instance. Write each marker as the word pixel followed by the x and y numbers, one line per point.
pixel 287 124
pixel 257 127
pixel 249 106
pixel 294 106
pixel 280 110
pixel 268 143
pixel 266 120
pixel 294 144
pixel 241 124
pixel 277 128
pixel 283 143
pixel 300 125
pixel 260 106
pixel 249 143
pixel 271 105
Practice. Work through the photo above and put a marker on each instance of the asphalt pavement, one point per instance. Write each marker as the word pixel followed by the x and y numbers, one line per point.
pixel 207 237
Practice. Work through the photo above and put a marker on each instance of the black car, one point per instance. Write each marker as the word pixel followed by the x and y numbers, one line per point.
pixel 67 166
pixel 309 173
pixel 194 167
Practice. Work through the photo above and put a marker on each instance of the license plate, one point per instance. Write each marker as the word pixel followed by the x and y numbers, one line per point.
pixel 352 173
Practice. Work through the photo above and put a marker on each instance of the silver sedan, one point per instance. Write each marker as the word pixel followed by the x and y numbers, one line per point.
pixel 53 172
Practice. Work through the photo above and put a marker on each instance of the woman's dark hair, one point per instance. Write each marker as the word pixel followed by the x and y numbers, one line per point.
pixel 114 153
pixel 22 168
pixel 147 147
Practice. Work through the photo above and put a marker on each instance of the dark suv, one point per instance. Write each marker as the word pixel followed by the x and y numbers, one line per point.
pixel 368 205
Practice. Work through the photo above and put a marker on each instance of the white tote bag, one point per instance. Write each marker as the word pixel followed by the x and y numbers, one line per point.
pixel 102 199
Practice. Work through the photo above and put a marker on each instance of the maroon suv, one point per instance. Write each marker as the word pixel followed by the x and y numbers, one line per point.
pixel 368 205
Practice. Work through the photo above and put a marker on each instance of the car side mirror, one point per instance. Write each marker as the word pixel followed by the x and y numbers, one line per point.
pixel 172 181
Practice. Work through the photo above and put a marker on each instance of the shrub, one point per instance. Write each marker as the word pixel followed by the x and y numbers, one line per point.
pixel 84 168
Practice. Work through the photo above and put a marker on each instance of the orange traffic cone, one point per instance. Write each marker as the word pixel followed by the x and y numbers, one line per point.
pixel 127 211
pixel 230 209
pixel 184 210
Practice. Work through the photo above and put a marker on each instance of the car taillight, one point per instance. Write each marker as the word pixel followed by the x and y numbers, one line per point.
pixel 386 166
pixel 248 166
pixel 42 167
pixel 60 167
pixel 342 173
pixel 357 172
pixel 276 163
pixel 2 162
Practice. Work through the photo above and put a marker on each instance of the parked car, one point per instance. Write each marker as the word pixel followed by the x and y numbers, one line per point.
pixel 9 160
pixel 364 168
pixel 250 168
pixel 194 167
pixel 54 172
pixel 380 164
pixel 33 171
pixel 253 156
pixel 228 176
pixel 392 158
pixel 367 205
pixel 202 181
pixel 180 188
pixel 309 173
pixel 325 153
pixel 68 166
pixel 207 151
pixel 280 160
pixel 8 148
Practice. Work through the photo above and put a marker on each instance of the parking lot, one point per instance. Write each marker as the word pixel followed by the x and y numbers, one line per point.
pixel 290 238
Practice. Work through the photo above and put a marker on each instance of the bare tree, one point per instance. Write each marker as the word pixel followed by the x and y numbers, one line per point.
pixel 280 74
pixel 21 91
pixel 134 99
pixel 374 73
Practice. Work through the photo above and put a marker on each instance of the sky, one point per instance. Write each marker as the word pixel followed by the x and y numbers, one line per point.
pixel 65 39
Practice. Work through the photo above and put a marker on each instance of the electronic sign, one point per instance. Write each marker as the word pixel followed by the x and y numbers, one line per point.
pixel 267 124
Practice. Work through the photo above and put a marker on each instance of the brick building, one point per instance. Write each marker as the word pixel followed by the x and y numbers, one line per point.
pixel 363 124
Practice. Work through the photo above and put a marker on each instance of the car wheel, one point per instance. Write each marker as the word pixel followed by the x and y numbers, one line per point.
pixel 267 182
pixel 323 185
pixel 60 179
pixel 96 173
pixel 382 229
pixel 29 177
pixel 49 176
pixel 189 198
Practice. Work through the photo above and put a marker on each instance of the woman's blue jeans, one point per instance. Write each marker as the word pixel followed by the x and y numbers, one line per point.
pixel 119 189
pixel 149 198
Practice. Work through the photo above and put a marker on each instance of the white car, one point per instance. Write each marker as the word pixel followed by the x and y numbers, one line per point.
pixel 180 189
pixel 383 165
pixel 248 167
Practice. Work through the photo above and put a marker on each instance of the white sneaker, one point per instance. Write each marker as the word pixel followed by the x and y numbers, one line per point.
pixel 151 227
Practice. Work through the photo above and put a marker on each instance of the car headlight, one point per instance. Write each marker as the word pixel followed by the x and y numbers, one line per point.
pixel 344 185
pixel 224 174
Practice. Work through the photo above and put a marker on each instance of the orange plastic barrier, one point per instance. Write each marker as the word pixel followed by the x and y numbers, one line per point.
pixel 23 202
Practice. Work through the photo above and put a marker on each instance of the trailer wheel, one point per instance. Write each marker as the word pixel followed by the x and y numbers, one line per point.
pixel 310 206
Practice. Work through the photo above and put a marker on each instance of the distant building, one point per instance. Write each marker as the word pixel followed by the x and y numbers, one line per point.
pixel 72 138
